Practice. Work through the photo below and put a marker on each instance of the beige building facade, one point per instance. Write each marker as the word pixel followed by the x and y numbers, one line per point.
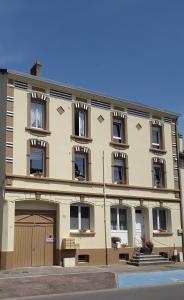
pixel 81 171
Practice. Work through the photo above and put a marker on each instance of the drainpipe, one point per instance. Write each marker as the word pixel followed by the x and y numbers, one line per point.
pixel 105 222
pixel 180 188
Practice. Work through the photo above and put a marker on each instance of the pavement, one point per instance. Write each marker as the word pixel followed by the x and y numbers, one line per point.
pixel 24 282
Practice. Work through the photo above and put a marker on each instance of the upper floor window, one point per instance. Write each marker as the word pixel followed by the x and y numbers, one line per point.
pixel 118 218
pixel 81 121
pixel 82 170
pixel 38 156
pixel 80 217
pixel 37 161
pixel 161 219
pixel 119 129
pixel 119 168
pixel 159 173
pixel 38 117
pixel 157 135
pixel 37 114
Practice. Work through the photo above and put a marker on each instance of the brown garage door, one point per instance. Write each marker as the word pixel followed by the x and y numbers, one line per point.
pixel 35 234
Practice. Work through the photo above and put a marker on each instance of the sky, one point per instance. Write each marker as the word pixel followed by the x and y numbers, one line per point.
pixel 132 49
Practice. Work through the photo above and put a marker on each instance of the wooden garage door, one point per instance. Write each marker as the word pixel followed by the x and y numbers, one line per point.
pixel 35 235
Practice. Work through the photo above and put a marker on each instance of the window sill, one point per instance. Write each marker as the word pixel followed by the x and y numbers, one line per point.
pixel 78 233
pixel 162 233
pixel 119 145
pixel 158 151
pixel 159 187
pixel 37 131
pixel 81 139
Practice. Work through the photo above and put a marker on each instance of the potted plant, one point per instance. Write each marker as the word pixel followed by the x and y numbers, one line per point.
pixel 147 246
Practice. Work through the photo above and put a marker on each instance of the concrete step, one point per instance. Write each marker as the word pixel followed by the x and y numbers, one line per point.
pixel 147 256
pixel 148 259
pixel 149 263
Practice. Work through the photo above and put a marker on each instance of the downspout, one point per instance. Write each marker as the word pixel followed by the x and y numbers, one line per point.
pixel 180 186
pixel 105 221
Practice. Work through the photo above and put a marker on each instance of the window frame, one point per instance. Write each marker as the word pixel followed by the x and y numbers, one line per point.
pixel 121 118
pixel 87 153
pixel 40 99
pixel 124 158
pixel 80 219
pixel 161 145
pixel 162 165
pixel 46 157
pixel 42 150
pixel 83 107
pixel 118 208
pixel 158 221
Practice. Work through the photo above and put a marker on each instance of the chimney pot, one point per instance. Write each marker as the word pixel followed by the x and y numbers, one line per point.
pixel 36 68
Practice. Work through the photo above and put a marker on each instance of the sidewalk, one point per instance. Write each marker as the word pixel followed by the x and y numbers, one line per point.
pixel 25 282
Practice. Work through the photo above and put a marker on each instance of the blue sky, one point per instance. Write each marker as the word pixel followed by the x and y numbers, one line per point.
pixel 133 49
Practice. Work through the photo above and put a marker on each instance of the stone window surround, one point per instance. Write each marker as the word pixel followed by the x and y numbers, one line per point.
pixel 119 116
pixel 38 144
pixel 123 156
pixel 87 152
pixel 159 124
pixel 159 161
pixel 82 106
pixel 38 98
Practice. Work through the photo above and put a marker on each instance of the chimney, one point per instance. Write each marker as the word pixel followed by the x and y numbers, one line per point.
pixel 36 68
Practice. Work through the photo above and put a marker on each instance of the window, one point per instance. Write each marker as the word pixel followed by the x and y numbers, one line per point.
pixel 81 163
pixel 119 168
pixel 37 161
pixel 156 137
pixel 80 123
pixel 118 218
pixel 160 219
pixel 37 115
pixel 37 158
pixel 117 131
pixel 158 175
pixel 119 171
pixel 80 217
pixel 80 166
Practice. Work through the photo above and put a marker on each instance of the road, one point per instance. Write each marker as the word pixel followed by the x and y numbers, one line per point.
pixel 169 292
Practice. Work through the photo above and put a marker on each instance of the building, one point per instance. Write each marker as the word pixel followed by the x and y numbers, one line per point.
pixel 79 170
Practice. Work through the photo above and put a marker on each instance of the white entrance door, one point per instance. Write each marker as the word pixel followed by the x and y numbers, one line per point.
pixel 139 216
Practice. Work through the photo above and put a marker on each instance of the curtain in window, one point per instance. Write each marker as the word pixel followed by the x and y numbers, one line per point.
pixel 33 114
pixel 37 115
pixel 40 115
pixel 82 123
pixel 85 217
pixel 74 221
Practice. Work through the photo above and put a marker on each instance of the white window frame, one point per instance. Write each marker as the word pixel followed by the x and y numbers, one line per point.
pixel 84 155
pixel 118 223
pixel 79 217
pixel 158 219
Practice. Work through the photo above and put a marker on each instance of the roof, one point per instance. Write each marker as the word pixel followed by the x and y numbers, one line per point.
pixel 94 94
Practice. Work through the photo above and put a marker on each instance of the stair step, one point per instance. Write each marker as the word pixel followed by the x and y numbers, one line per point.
pixel 148 263
pixel 149 259
pixel 146 256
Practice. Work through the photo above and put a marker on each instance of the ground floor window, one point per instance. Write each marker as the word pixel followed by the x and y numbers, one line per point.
pixel 160 217
pixel 118 218
pixel 80 217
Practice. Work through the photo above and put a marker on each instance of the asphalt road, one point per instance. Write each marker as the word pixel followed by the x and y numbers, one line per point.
pixel 168 292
